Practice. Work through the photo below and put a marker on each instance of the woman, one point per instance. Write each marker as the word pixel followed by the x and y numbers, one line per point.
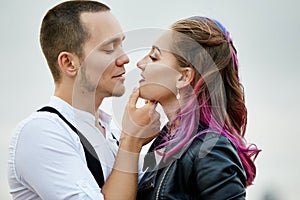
pixel 192 71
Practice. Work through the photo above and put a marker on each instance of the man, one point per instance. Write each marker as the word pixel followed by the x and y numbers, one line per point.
pixel 52 152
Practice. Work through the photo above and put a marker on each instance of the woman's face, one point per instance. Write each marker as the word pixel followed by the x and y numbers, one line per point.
pixel 159 72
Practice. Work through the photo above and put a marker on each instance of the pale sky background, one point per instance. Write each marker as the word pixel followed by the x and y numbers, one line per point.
pixel 266 35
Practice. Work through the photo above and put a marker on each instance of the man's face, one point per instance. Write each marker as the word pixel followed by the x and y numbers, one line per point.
pixel 103 66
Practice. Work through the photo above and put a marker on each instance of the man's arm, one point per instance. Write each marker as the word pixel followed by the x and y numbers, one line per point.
pixel 139 127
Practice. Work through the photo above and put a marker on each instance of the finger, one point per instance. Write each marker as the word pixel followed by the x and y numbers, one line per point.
pixel 150 101
pixel 133 98
pixel 155 117
pixel 148 104
pixel 151 107
pixel 155 127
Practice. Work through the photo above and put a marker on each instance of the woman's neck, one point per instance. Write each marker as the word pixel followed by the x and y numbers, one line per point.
pixel 171 108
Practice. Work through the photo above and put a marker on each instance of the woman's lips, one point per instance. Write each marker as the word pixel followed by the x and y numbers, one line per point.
pixel 143 79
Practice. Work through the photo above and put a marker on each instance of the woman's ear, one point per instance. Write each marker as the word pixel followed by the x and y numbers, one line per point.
pixel 68 63
pixel 185 77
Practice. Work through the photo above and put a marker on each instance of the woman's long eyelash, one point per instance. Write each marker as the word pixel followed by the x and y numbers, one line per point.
pixel 152 58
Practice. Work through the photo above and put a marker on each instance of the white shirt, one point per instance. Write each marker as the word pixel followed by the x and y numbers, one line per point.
pixel 46 157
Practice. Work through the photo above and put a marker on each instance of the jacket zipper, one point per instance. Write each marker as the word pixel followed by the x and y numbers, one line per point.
pixel 160 184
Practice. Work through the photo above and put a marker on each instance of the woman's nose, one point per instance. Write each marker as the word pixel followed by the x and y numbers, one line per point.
pixel 141 64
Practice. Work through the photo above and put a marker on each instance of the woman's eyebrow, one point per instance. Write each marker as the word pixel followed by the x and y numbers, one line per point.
pixel 156 47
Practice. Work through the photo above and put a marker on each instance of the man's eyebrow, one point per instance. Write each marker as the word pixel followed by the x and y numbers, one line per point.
pixel 113 40
pixel 156 47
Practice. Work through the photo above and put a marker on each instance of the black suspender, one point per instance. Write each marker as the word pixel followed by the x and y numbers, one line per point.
pixel 92 159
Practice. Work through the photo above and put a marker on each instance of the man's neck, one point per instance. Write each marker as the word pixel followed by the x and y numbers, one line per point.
pixel 81 100
pixel 64 92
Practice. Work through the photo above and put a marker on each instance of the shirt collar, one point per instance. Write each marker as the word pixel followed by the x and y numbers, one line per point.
pixel 63 107
pixel 104 118
pixel 69 112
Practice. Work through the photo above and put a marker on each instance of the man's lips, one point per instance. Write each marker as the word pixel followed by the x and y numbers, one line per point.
pixel 119 75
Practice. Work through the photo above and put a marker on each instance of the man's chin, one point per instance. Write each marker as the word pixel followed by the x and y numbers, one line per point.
pixel 118 93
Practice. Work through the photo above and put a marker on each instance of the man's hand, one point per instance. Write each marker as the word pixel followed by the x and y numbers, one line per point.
pixel 139 125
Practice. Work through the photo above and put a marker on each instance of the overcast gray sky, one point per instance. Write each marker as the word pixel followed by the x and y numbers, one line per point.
pixel 266 35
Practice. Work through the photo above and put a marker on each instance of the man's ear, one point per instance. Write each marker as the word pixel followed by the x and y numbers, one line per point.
pixel 185 77
pixel 68 63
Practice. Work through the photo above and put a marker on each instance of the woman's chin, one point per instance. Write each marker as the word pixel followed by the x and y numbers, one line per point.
pixel 146 94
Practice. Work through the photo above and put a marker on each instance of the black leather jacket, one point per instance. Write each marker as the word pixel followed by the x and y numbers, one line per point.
pixel 209 169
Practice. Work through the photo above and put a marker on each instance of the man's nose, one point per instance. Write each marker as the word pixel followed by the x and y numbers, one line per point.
pixel 122 60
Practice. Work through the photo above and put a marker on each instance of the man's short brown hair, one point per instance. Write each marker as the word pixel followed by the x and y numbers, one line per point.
pixel 62 30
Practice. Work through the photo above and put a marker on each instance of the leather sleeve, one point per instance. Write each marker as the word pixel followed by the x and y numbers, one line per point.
pixel 218 170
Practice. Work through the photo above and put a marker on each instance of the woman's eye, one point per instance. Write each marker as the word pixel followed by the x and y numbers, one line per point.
pixel 153 58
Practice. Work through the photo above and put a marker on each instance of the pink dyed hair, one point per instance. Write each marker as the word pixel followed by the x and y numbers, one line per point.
pixel 216 96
